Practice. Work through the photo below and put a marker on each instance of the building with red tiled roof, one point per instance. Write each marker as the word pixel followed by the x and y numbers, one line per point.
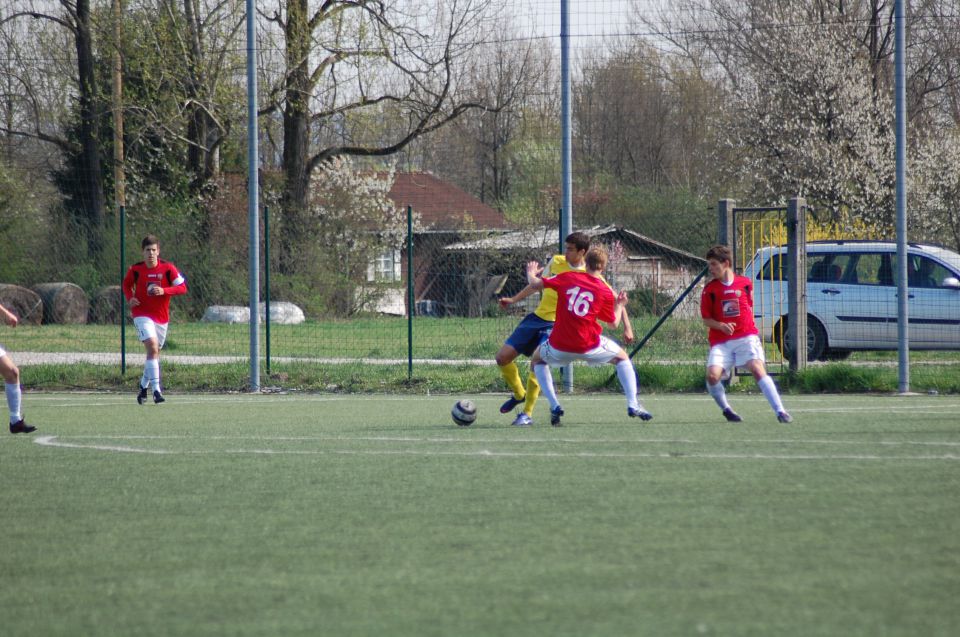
pixel 446 214
pixel 443 206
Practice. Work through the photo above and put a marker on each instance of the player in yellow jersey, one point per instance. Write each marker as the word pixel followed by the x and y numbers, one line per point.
pixel 535 328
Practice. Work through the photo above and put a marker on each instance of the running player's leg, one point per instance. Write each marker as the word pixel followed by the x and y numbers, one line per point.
pixel 511 375
pixel 11 381
pixel 533 386
pixel 11 385
pixel 769 388
pixel 627 376
pixel 527 336
pixel 533 393
pixel 161 329
pixel 719 360
pixel 147 333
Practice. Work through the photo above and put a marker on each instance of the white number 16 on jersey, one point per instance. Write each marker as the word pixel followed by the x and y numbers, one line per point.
pixel 579 301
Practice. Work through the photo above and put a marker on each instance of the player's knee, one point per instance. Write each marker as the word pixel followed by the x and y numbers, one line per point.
pixel 11 375
pixel 505 357
pixel 714 377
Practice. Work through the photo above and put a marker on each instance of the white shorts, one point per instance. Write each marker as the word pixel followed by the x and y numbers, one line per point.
pixel 147 329
pixel 599 355
pixel 735 353
pixel 3 352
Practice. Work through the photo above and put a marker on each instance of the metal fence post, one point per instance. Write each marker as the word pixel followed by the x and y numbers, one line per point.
pixel 411 292
pixel 266 279
pixel 725 230
pixel 123 300
pixel 726 237
pixel 797 282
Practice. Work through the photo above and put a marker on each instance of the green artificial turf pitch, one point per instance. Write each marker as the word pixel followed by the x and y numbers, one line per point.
pixel 376 515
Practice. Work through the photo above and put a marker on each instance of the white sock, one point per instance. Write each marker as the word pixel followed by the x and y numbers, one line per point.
pixel 628 380
pixel 719 394
pixel 151 372
pixel 769 390
pixel 13 401
pixel 545 378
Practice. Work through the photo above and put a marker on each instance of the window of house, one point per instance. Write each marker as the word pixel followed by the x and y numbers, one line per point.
pixel 385 267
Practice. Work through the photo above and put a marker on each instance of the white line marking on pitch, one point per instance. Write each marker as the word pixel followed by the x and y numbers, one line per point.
pixel 682 441
pixel 51 441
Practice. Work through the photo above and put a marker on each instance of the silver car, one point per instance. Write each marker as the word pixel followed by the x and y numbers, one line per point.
pixel 852 296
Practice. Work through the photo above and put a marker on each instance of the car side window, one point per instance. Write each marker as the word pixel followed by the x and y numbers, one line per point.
pixel 830 267
pixel 870 268
pixel 923 272
pixel 774 269
pixel 824 268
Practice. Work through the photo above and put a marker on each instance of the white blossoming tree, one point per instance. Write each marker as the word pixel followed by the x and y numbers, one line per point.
pixel 350 222
pixel 809 108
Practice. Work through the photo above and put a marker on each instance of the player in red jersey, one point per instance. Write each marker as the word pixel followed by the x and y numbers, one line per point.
pixel 148 287
pixel 11 380
pixel 583 300
pixel 726 308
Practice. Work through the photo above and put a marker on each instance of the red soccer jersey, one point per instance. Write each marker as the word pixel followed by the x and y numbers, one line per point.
pixel 139 277
pixel 731 303
pixel 582 300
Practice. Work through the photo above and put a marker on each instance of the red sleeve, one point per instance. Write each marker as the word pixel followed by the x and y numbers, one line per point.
pixel 552 282
pixel 706 303
pixel 127 285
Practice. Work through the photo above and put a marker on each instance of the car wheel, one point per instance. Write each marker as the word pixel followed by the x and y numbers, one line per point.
pixel 816 339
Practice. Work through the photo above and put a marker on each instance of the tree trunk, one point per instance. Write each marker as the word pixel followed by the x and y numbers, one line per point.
pixel 203 154
pixel 90 165
pixel 296 133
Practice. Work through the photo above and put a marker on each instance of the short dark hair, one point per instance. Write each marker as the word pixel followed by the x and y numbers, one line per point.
pixel 149 240
pixel 578 239
pixel 720 253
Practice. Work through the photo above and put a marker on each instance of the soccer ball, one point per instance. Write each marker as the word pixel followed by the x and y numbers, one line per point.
pixel 464 412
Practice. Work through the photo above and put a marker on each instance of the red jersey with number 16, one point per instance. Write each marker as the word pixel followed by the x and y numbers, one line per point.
pixel 731 303
pixel 139 277
pixel 582 300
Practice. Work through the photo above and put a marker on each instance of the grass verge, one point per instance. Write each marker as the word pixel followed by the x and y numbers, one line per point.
pixel 453 379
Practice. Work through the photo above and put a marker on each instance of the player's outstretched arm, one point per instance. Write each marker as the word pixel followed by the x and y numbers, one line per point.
pixel 625 317
pixel 619 312
pixel 531 288
pixel 627 327
pixel 534 270
pixel 9 317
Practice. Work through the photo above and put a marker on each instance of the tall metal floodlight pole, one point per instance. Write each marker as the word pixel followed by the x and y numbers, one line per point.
pixel 566 180
pixel 253 198
pixel 903 316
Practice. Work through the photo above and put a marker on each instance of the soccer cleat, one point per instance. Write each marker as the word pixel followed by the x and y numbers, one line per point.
pixel 158 398
pixel 555 414
pixel 141 395
pixel 21 427
pixel 508 406
pixel 522 420
pixel 731 415
pixel 784 417
pixel 640 413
